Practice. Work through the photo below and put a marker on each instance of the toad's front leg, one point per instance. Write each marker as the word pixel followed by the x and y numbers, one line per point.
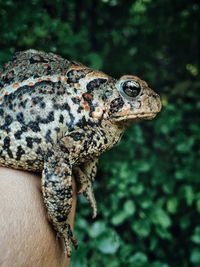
pixel 57 193
pixel 74 149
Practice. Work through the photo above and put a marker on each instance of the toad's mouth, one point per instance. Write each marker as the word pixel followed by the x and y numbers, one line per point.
pixel 136 117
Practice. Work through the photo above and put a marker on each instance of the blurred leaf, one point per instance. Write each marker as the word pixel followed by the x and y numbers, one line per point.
pixel 161 218
pixel 188 194
pixel 141 227
pixel 109 244
pixel 138 259
pixel 137 189
pixel 129 207
pixel 193 70
pixel 195 256
pixel 119 218
pixel 172 205
pixel 196 235
pixel 97 229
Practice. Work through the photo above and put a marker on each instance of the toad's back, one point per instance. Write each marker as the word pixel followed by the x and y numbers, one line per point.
pixel 31 66
pixel 31 117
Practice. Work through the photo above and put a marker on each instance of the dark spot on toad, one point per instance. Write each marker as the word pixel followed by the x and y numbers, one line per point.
pixel 19 153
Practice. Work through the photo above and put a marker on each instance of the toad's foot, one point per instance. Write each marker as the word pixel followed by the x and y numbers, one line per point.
pixel 69 239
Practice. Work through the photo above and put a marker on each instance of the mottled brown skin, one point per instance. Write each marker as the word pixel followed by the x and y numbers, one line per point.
pixel 57 117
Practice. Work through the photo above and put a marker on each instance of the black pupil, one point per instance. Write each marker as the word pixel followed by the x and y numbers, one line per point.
pixel 131 89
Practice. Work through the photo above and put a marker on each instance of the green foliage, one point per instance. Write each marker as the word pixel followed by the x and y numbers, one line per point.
pixel 148 187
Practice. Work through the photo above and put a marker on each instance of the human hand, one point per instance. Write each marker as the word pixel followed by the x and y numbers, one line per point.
pixel 27 238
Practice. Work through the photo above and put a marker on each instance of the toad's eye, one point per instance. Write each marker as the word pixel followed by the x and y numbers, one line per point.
pixel 130 89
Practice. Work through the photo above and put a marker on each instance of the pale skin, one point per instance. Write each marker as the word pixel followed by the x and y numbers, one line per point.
pixel 27 238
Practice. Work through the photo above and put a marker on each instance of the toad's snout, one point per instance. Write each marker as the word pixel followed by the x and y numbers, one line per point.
pixel 155 103
pixel 150 104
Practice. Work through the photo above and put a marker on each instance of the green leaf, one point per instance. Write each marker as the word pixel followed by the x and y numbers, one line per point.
pixel 189 194
pixel 129 207
pixel 138 259
pixel 141 227
pixel 143 166
pixel 160 217
pixel 185 146
pixel 119 218
pixel 97 229
pixel 172 204
pixel 195 256
pixel 137 189
pixel 109 244
pixel 163 233
pixel 196 235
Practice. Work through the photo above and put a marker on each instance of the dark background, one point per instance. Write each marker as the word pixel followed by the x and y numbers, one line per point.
pixel 148 187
